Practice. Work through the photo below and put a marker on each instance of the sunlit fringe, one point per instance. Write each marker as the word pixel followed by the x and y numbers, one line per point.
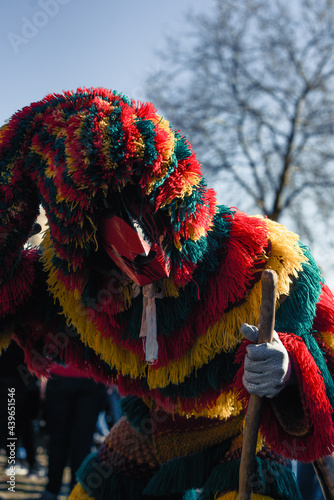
pixel 3 129
pixel 225 406
pixel 78 493
pixel 286 257
pixel 318 441
pixel 233 495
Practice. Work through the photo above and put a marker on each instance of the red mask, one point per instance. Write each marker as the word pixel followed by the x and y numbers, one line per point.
pixel 128 240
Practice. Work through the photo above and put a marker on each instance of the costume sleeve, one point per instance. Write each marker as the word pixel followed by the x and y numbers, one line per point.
pixel 298 422
pixel 15 293
pixel 17 288
pixel 18 211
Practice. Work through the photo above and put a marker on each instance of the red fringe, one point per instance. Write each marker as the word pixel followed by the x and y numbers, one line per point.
pixel 18 289
pixel 178 179
pixel 228 285
pixel 40 356
pixel 324 319
pixel 246 244
pixel 317 409
pixel 182 275
pixel 145 110
pixel 131 133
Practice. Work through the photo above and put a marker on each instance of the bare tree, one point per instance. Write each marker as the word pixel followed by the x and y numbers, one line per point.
pixel 253 90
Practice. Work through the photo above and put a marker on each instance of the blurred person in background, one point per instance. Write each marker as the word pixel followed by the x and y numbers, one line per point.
pixel 73 403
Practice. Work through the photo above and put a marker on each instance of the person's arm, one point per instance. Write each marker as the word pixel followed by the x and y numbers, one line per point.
pixel 297 415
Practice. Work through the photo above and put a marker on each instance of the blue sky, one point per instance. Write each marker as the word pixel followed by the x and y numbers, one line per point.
pixel 54 45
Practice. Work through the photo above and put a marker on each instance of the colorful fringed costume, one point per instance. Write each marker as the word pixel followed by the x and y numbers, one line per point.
pixel 184 413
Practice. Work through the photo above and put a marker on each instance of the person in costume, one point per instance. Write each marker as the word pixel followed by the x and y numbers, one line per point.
pixel 144 281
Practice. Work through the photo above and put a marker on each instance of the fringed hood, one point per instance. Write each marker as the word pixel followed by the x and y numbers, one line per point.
pixel 68 152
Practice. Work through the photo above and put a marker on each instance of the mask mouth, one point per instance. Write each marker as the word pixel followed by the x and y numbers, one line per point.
pixel 133 239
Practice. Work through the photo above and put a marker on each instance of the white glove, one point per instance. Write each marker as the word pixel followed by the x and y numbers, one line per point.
pixel 267 366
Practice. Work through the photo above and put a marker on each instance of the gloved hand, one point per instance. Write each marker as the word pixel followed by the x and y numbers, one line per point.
pixel 267 366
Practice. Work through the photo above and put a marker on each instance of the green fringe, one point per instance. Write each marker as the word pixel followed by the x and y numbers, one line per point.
pixel 270 479
pixel 221 368
pixel 101 483
pixel 318 357
pixel 296 314
pixel 210 377
pixel 135 411
pixel 186 473
pixel 190 495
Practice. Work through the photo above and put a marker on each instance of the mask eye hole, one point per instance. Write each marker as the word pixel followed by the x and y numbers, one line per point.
pixel 142 260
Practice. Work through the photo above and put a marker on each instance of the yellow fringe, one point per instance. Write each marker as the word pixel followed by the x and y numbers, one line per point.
pixel 169 288
pixel 196 233
pixel 286 259
pixel 167 153
pixel 6 338
pixel 227 405
pixel 328 339
pixel 170 143
pixel 78 493
pixel 48 251
pixel 233 495
pixel 126 294
pixel 3 129
pixel 107 141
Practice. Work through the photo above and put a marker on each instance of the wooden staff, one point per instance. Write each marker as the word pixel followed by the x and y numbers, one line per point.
pixel 324 468
pixel 247 472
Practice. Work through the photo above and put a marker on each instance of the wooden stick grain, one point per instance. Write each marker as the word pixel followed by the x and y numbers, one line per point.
pixel 247 472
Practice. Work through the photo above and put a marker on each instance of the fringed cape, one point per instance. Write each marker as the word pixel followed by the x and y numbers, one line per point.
pixel 66 153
